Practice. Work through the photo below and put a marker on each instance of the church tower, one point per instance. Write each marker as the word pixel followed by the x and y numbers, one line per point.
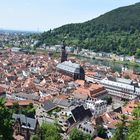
pixel 63 52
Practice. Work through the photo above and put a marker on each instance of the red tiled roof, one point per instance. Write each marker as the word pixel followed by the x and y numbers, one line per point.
pixel 20 102
pixel 82 90
pixel 63 96
pixel 98 138
pixel 90 73
pixel 80 82
pixel 95 86
pixel 129 107
pixel 1 89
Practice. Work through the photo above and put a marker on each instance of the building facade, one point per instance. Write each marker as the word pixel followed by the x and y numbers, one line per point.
pixel 97 107
pixel 122 88
pixel 24 125
pixel 71 69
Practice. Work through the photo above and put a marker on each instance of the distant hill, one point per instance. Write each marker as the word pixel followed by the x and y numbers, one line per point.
pixel 16 31
pixel 116 31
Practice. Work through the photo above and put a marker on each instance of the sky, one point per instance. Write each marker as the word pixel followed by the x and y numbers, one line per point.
pixel 42 15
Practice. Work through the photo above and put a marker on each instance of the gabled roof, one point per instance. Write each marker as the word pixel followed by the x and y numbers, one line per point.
pixel 117 84
pixel 125 81
pixel 62 102
pixel 25 121
pixel 48 105
pixel 69 66
pixel 71 120
pixel 79 113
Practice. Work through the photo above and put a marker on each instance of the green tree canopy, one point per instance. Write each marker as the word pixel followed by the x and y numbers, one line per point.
pixel 134 127
pixel 121 131
pixel 138 53
pixel 34 137
pixel 116 31
pixel 79 135
pixel 28 110
pixel 47 132
pixel 101 132
pixel 132 132
pixel 15 107
pixel 6 130
pixel 108 99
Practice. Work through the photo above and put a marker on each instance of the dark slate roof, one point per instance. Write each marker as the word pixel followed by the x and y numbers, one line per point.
pixel 79 113
pixel 71 120
pixel 26 122
pixel 88 112
pixel 48 105
pixel 69 66
pixel 62 102
pixel 119 110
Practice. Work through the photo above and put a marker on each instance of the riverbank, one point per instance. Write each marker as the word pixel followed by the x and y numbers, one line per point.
pixel 127 63
pixel 115 65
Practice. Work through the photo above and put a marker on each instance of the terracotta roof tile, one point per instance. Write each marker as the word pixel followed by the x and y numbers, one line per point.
pixel 80 82
pixel 98 138
pixel 20 102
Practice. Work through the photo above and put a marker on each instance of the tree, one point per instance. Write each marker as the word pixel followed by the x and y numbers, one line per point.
pixel 28 110
pixel 15 107
pixel 132 132
pixel 121 131
pixel 76 135
pixel 119 35
pixel 6 130
pixel 134 127
pixel 87 137
pixel 138 53
pixel 101 132
pixel 50 132
pixel 79 135
pixel 127 77
pixel 108 100
pixel 47 132
pixel 34 137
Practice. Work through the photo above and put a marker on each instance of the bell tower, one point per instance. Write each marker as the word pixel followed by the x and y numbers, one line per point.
pixel 63 52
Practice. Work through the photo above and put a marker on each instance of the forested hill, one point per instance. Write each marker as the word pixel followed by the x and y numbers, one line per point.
pixel 116 31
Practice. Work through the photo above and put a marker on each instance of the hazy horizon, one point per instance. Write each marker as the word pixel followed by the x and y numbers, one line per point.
pixel 42 15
